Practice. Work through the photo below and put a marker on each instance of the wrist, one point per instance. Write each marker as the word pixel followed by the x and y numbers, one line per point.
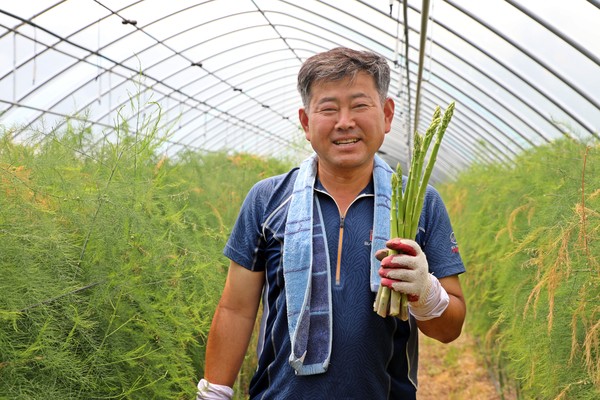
pixel 432 303
pixel 212 391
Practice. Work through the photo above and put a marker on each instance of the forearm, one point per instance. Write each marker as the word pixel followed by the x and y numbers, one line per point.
pixel 448 325
pixel 228 340
pixel 232 325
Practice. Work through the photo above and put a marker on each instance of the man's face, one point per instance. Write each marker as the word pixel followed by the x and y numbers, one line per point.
pixel 346 122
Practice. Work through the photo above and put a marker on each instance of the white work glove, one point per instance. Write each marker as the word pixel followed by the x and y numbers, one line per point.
pixel 408 272
pixel 211 391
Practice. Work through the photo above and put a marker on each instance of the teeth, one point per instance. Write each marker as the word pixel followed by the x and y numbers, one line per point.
pixel 346 141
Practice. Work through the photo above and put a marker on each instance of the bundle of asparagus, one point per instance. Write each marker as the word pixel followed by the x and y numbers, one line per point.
pixel 406 205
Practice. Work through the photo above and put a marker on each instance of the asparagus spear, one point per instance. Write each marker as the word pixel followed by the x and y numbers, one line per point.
pixel 406 207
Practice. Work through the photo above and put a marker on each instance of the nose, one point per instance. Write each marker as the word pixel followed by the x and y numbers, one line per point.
pixel 345 119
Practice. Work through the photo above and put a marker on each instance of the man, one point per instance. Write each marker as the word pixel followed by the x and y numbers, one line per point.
pixel 307 241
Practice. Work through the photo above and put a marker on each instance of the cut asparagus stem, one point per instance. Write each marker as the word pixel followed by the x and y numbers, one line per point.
pixel 406 205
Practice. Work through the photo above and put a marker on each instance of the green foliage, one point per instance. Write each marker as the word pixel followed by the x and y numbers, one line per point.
pixel 530 237
pixel 110 261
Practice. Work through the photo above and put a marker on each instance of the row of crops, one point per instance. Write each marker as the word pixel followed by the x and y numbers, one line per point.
pixel 110 262
pixel 111 265
pixel 530 237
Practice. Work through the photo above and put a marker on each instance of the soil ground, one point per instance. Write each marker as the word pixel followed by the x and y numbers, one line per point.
pixel 453 371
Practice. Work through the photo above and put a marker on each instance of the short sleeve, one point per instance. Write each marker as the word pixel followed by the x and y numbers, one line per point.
pixel 244 243
pixel 436 237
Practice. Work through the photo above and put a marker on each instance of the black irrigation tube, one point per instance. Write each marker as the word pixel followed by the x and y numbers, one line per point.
pixel 197 94
pixel 125 81
pixel 194 63
pixel 254 88
pixel 250 107
pixel 158 43
pixel 212 72
pixel 286 143
pixel 241 86
pixel 251 110
pixel 291 102
pixel 216 107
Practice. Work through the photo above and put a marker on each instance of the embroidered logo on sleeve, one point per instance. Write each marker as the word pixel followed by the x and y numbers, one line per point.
pixel 454 243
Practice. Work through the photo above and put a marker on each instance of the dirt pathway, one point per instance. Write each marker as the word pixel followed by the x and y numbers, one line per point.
pixel 453 371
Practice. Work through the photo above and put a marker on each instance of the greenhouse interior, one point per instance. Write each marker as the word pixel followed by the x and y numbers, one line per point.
pixel 117 119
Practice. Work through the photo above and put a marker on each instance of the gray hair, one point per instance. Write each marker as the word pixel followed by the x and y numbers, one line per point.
pixel 340 63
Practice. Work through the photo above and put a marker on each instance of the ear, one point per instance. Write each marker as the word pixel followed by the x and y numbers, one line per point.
pixel 388 112
pixel 303 117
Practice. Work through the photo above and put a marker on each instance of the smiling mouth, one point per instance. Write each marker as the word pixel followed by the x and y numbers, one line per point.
pixel 346 141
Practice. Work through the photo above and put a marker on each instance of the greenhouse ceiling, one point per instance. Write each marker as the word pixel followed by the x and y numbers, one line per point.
pixel 223 72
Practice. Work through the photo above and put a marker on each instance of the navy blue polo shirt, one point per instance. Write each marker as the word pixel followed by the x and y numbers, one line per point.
pixel 372 357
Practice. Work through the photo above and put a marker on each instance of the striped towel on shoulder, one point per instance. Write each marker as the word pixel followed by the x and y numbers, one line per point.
pixel 306 268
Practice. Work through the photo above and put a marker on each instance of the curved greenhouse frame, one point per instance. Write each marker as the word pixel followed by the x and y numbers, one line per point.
pixel 132 131
pixel 224 72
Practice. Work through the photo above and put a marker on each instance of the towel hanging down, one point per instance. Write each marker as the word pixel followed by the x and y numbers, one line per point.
pixel 306 269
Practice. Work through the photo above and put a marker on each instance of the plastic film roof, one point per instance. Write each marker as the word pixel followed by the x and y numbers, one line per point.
pixel 522 73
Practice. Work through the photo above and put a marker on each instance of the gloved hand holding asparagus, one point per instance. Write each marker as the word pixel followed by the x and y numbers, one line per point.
pixel 406 206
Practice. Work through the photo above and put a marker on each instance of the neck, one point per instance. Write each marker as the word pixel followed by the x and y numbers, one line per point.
pixel 346 185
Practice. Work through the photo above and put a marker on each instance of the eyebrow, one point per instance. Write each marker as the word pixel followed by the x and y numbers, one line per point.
pixel 354 96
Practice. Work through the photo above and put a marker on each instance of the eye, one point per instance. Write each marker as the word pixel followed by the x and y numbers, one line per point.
pixel 328 109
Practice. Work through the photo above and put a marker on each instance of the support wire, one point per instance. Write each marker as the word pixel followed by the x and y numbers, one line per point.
pixel 422 45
